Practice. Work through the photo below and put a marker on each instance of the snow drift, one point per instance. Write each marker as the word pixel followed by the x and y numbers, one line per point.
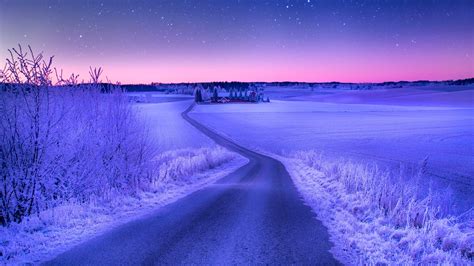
pixel 178 173
pixel 379 216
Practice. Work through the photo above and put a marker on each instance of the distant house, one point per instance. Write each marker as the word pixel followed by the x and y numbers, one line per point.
pixel 218 95
pixel 232 95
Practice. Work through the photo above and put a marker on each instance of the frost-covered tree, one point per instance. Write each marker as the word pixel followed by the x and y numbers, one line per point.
pixel 215 95
pixel 63 143
pixel 198 95
pixel 206 95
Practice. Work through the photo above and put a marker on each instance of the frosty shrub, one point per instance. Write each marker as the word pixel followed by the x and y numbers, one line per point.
pixel 180 173
pixel 62 141
pixel 178 164
pixel 407 221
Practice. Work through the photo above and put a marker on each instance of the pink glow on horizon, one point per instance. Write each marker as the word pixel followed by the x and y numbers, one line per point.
pixel 319 69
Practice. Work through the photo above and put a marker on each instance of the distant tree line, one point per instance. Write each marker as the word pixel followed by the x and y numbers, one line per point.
pixel 165 87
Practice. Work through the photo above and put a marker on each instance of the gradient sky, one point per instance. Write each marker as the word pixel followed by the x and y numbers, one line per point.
pixel 218 40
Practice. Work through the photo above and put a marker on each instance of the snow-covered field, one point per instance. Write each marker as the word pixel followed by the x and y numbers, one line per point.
pixel 167 129
pixel 390 135
pixel 186 161
pixel 379 166
pixel 427 95
pixel 157 97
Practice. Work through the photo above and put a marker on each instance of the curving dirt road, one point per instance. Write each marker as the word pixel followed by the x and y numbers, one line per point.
pixel 252 216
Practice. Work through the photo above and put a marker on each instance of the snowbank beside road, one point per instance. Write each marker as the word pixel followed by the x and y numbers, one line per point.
pixel 373 218
pixel 53 231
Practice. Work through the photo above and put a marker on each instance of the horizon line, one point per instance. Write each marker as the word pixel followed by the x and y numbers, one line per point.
pixel 289 81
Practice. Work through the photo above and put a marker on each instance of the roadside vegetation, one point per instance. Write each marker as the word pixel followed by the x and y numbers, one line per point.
pixel 381 216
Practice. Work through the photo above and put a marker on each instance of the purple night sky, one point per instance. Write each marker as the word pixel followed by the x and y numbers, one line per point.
pixel 217 40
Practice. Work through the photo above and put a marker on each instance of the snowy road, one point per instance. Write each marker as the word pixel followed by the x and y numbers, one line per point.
pixel 254 215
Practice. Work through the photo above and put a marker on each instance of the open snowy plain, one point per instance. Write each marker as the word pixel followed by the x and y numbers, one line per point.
pixel 390 127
